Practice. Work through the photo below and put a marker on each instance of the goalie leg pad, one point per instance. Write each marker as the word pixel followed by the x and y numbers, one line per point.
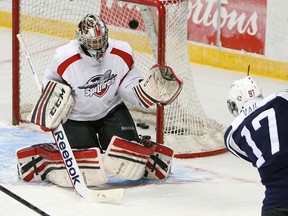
pixel 43 162
pixel 159 163
pixel 29 164
pixel 126 159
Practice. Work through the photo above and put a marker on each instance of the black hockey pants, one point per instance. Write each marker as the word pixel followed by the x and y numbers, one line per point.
pixel 88 134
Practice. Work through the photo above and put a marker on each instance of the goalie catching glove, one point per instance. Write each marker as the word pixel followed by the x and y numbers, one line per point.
pixel 160 86
pixel 53 106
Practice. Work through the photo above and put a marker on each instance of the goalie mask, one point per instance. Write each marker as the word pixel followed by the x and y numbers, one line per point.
pixel 242 93
pixel 92 35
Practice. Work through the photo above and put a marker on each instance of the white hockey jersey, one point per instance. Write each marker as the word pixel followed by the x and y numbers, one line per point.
pixel 97 86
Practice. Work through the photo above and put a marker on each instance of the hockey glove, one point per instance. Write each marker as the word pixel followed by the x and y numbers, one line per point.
pixel 161 86
pixel 53 106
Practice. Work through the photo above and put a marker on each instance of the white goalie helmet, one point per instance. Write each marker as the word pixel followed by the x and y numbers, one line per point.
pixel 92 33
pixel 242 93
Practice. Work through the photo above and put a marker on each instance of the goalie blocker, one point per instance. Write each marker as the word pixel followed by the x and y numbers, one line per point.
pixel 53 106
pixel 125 159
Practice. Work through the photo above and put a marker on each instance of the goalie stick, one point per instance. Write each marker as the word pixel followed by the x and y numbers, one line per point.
pixel 23 201
pixel 68 157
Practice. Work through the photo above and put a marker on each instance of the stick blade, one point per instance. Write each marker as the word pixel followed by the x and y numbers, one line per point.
pixel 107 195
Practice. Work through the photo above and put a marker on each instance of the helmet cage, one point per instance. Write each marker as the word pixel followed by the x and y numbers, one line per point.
pixel 232 107
pixel 92 33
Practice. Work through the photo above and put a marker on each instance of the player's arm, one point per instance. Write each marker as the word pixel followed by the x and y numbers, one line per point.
pixel 50 72
pixel 130 80
pixel 160 86
pixel 56 101
pixel 232 145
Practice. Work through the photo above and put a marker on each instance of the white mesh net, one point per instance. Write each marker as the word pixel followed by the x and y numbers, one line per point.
pixel 47 24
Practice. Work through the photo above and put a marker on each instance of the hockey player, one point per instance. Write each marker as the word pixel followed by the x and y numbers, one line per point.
pixel 84 88
pixel 259 135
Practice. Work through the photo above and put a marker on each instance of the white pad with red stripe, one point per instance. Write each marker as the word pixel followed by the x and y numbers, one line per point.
pixel 126 159
pixel 43 162
pixel 160 86
pixel 53 106
pixel 159 163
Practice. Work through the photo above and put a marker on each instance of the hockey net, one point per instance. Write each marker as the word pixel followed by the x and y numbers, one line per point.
pixel 157 32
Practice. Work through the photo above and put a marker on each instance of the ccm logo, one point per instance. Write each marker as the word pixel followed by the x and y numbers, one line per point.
pixel 147 81
pixel 58 102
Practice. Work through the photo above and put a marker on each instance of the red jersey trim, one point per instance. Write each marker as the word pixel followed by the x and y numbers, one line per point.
pixel 125 56
pixel 64 65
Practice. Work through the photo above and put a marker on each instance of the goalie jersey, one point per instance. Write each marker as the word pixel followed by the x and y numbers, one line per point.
pixel 259 134
pixel 97 87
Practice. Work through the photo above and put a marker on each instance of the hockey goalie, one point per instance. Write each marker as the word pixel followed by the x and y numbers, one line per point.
pixel 84 89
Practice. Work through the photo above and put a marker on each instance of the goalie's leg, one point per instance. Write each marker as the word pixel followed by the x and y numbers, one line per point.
pixel 120 123
pixel 43 162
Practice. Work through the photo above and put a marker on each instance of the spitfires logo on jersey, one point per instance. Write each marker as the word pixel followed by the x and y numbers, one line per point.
pixel 98 85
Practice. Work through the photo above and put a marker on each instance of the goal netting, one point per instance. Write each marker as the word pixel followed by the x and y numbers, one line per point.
pixel 156 30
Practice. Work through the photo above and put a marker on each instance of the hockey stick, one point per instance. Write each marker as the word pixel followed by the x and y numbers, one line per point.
pixel 22 201
pixel 68 157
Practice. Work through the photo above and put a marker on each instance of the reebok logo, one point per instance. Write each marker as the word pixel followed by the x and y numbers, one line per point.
pixel 67 157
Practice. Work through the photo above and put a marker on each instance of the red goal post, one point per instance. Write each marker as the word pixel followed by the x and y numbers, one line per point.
pixel 157 32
